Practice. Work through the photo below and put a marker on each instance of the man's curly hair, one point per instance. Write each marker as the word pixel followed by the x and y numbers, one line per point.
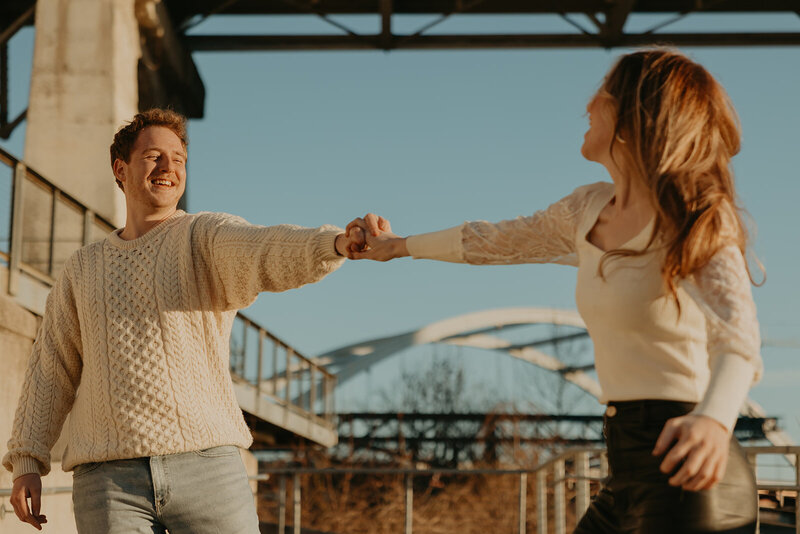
pixel 127 135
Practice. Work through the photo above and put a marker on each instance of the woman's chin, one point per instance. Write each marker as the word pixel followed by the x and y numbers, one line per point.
pixel 586 153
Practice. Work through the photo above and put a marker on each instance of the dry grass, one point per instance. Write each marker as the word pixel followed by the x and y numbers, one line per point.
pixel 375 504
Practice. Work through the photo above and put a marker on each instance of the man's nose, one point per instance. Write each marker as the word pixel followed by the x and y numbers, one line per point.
pixel 166 165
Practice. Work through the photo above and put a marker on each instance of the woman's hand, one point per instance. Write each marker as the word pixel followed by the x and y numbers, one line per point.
pixel 382 244
pixel 370 223
pixel 701 443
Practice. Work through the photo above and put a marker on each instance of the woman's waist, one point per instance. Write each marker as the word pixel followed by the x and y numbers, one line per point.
pixel 645 412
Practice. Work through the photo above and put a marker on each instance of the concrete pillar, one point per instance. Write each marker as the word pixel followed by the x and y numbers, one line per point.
pixel 84 85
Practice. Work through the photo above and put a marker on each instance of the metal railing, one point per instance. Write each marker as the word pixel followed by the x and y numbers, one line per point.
pixel 41 226
pixel 280 372
pixel 580 470
pixel 59 224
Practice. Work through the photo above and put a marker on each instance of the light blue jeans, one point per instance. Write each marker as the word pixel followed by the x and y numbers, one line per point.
pixel 200 492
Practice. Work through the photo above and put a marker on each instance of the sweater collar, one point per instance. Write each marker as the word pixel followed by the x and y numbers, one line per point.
pixel 130 244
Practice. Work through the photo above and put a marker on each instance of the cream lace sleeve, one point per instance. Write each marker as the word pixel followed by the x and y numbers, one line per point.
pixel 722 291
pixel 547 236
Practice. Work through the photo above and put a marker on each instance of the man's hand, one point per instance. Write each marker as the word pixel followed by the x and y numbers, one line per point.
pixel 28 486
pixel 351 242
pixel 382 244
pixel 702 446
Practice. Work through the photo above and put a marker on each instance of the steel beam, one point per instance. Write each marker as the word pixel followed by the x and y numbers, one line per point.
pixel 244 43
pixel 183 9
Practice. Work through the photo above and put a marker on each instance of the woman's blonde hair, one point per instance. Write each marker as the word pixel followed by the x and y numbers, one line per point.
pixel 680 132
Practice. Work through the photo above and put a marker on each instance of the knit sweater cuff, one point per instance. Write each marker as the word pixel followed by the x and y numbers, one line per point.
pixel 444 245
pixel 731 379
pixel 25 465
pixel 325 247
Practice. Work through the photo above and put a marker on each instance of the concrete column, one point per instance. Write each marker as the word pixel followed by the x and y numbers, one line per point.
pixel 83 87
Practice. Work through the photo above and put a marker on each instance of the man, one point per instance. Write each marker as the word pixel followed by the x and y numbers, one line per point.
pixel 142 320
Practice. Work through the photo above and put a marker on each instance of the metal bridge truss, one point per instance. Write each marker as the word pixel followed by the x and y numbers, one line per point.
pixel 478 437
pixel 584 23
pixel 479 329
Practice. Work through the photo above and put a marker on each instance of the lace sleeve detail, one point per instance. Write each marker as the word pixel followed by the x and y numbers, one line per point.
pixel 547 236
pixel 722 291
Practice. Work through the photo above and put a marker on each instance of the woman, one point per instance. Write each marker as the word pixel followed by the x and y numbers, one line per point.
pixel 662 286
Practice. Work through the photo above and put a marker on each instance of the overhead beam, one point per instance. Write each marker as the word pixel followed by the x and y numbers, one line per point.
pixel 17 24
pixel 438 7
pixel 386 24
pixel 244 43
pixel 616 16
pixel 167 74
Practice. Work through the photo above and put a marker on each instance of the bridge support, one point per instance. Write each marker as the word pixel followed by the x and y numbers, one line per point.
pixel 84 84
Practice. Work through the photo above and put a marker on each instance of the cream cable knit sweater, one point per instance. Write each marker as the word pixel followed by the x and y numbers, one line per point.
pixel 135 338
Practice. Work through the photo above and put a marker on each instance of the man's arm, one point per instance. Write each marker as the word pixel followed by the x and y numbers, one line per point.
pixel 240 259
pixel 48 391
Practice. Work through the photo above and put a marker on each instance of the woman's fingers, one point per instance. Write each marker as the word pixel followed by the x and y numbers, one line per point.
pixel 373 223
pixel 358 222
pixel 709 474
pixel 693 466
pixel 700 453
pixel 667 436
pixel 685 443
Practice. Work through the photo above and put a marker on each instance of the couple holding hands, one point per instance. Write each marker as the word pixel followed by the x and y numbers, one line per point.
pixel 141 321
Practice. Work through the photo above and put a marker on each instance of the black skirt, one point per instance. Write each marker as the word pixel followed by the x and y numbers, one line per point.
pixel 637 498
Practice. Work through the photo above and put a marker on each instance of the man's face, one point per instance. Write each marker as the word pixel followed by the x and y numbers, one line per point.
pixel 155 176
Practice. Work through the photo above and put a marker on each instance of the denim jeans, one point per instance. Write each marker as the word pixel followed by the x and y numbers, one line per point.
pixel 637 499
pixel 199 492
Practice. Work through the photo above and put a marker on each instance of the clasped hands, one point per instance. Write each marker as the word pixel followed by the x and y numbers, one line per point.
pixel 370 238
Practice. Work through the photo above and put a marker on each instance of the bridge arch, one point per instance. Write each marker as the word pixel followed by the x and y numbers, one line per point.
pixel 476 330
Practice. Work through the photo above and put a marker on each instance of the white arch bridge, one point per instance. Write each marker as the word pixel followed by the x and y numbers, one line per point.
pixel 479 330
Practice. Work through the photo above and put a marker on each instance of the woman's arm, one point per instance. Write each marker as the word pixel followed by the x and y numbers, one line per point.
pixel 722 290
pixel 547 236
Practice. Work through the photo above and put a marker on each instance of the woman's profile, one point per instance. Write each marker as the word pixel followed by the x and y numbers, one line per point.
pixel 662 285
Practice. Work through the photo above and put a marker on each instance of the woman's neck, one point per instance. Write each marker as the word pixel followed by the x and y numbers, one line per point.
pixel 630 194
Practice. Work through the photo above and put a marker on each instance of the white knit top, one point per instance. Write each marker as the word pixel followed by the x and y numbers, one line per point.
pixel 135 338
pixel 709 354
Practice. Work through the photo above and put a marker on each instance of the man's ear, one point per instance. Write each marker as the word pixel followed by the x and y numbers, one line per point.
pixel 119 170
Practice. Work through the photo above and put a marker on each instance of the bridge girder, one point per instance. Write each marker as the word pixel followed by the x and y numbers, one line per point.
pixel 469 330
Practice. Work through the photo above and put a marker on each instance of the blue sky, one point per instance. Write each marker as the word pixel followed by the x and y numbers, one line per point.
pixel 430 139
